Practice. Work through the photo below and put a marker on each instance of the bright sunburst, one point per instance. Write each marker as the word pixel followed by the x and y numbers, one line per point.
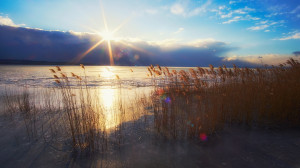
pixel 107 35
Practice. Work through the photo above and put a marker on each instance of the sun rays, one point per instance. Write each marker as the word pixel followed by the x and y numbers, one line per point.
pixel 78 58
pixel 108 36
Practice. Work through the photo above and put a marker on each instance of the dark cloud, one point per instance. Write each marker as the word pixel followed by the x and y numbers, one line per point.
pixel 296 53
pixel 38 45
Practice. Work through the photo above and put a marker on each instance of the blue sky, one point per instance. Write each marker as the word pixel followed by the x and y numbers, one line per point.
pixel 267 28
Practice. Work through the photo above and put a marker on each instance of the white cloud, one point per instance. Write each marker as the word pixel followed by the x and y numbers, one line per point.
pixel 277 8
pixel 228 15
pixel 222 7
pixel 177 9
pixel 293 35
pixel 234 2
pixel 179 30
pixel 261 27
pixel 182 9
pixel 296 9
pixel 166 43
pixel 263 22
pixel 244 10
pixel 235 19
pixel 202 43
pixel 249 17
pixel 7 21
pixel 240 11
pixel 266 24
pixel 200 9
pixel 275 14
pixel 239 18
pixel 270 59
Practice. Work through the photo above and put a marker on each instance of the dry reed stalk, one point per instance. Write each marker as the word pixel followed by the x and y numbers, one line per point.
pixel 263 96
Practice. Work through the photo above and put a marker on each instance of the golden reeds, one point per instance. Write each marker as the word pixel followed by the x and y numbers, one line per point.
pixel 262 96
pixel 186 104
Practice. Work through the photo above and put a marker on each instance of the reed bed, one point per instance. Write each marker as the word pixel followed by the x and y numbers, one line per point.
pixel 72 114
pixel 86 122
pixel 183 105
pixel 201 101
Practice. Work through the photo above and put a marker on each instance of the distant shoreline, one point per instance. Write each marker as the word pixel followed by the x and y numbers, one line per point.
pixel 30 62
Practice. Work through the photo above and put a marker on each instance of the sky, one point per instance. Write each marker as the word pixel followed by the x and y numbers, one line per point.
pixel 238 30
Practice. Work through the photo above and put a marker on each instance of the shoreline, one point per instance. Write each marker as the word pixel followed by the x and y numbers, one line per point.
pixel 230 147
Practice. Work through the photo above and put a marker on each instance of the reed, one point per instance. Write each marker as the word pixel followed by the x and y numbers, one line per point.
pixel 183 105
pixel 83 113
pixel 204 100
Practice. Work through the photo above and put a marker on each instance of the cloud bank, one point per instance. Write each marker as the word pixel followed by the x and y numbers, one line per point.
pixel 269 59
pixel 55 46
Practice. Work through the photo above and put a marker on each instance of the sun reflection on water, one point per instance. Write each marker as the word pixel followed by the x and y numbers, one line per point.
pixel 109 101
pixel 107 73
pixel 107 97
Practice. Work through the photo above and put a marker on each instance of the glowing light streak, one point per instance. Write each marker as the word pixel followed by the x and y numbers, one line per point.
pixel 108 36
pixel 88 51
pixel 111 59
pixel 136 48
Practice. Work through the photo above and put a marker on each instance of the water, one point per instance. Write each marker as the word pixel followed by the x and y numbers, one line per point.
pixel 232 148
pixel 133 82
pixel 97 76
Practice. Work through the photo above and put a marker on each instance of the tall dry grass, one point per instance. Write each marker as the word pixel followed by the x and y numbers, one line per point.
pixel 72 113
pixel 203 100
pixel 185 104
pixel 22 105
pixel 86 122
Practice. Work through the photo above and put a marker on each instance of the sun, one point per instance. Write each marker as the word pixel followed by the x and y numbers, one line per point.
pixel 107 35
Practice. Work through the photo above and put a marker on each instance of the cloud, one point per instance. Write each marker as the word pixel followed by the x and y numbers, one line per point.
pixel 239 14
pixel 177 9
pixel 7 21
pixel 296 53
pixel 228 15
pixel 261 27
pixel 296 9
pixel 234 2
pixel 241 11
pixel 235 19
pixel 293 35
pixel 20 43
pixel 270 59
pixel 265 24
pixel 200 9
pixel 277 8
pixel 183 9
pixel 164 44
pixel 179 30
pixel 205 43
pixel 222 7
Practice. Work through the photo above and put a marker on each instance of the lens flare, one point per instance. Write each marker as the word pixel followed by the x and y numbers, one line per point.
pixel 203 137
pixel 106 35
